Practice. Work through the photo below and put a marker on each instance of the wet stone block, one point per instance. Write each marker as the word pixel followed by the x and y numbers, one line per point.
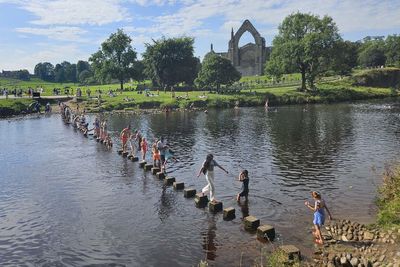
pixel 98 139
pixel 134 159
pixel 160 175
pixel 154 170
pixel 229 213
pixel 169 180
pixel 292 252
pixel 179 185
pixel 119 151
pixel 201 200
pixel 251 223
pixel 215 206
pixel 189 192
pixel 124 154
pixel 148 167
pixel 142 164
pixel 266 232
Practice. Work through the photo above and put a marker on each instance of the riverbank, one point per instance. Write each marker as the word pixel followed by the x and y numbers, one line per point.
pixel 352 244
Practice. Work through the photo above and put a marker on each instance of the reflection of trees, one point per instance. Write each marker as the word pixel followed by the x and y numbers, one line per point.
pixel 221 123
pixel 167 200
pixel 306 140
pixel 209 242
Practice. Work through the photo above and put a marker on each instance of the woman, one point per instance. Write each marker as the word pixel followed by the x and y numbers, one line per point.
pixel 143 146
pixel 319 215
pixel 125 135
pixel 156 155
pixel 208 170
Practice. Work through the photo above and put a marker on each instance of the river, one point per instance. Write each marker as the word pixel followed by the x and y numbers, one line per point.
pixel 65 200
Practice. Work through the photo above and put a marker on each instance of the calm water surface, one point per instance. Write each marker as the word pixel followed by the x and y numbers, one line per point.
pixel 67 201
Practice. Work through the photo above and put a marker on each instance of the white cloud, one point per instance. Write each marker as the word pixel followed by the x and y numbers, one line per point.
pixel 74 12
pixel 57 33
pixel 17 58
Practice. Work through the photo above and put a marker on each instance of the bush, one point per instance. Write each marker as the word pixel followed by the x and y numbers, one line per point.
pixel 389 197
pixel 388 77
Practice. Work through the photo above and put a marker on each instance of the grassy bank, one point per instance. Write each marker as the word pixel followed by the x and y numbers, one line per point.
pixel 10 107
pixel 389 198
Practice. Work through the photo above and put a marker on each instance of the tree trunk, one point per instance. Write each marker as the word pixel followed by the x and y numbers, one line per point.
pixel 121 82
pixel 303 80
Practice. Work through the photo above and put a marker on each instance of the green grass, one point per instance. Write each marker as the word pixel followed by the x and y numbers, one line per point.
pixel 9 107
pixel 389 198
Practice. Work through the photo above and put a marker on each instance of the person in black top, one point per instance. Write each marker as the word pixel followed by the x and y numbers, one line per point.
pixel 244 178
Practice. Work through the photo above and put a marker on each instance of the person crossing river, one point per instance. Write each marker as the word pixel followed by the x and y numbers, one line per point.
pixel 125 135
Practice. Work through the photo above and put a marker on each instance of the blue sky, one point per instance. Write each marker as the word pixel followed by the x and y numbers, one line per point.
pixel 33 31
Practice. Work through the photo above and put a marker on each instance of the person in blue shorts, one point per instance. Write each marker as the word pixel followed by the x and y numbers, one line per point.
pixel 319 215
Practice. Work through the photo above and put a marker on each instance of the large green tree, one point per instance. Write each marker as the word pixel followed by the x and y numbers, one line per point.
pixel 345 57
pixel 44 71
pixel 115 59
pixel 169 62
pixel 372 52
pixel 216 71
pixel 305 44
pixel 392 50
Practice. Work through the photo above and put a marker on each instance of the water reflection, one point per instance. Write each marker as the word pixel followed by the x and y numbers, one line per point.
pixel 209 242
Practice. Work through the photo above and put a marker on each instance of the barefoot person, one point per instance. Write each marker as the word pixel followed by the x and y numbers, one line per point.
pixel 169 154
pixel 143 146
pixel 125 135
pixel 208 170
pixel 156 155
pixel 244 178
pixel 319 215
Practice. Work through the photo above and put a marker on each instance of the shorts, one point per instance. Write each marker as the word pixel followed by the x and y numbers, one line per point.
pixel 319 218
pixel 156 157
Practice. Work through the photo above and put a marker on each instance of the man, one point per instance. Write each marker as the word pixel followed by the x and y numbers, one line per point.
pixel 161 147
pixel 125 135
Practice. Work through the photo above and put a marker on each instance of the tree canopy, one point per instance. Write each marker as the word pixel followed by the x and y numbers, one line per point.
pixel 115 59
pixel 372 52
pixel 304 44
pixel 215 71
pixel 169 62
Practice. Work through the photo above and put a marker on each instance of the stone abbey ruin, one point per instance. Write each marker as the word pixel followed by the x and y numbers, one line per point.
pixel 249 59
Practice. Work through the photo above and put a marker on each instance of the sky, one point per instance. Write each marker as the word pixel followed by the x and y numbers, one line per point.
pixel 33 31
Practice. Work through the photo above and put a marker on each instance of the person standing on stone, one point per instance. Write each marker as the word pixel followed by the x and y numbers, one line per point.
pixel 143 146
pixel 125 135
pixel 244 178
pixel 319 215
pixel 208 170
pixel 161 148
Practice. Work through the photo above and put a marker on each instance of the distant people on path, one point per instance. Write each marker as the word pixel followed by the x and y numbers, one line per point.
pixel 125 135
pixel 244 178
pixel 208 170
pixel 319 215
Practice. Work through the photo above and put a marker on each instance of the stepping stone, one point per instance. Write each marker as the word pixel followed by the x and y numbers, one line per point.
pixel 229 214
pixel 134 159
pixel 148 167
pixel 124 154
pixel 98 139
pixel 179 185
pixel 251 223
pixel 189 192
pixel 200 200
pixel 266 232
pixel 160 175
pixel 169 180
pixel 215 206
pixel 130 156
pixel 292 252
pixel 142 164
pixel 154 170
pixel 119 151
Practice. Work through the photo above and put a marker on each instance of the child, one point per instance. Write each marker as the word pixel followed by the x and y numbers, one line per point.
pixel 156 155
pixel 108 142
pixel 169 154
pixel 319 215
pixel 244 178
pixel 143 146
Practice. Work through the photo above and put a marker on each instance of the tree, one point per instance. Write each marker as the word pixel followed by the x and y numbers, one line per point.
pixel 372 54
pixel 217 70
pixel 305 44
pixel 169 62
pixel 59 73
pixel 392 50
pixel 81 66
pixel 115 59
pixel 345 57
pixel 44 71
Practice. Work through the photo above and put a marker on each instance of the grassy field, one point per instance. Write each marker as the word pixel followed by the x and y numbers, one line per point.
pixel 257 90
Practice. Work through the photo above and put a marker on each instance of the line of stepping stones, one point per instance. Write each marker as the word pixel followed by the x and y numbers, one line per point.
pixel 252 224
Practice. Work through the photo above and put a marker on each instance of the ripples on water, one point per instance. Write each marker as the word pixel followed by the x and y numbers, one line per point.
pixel 67 201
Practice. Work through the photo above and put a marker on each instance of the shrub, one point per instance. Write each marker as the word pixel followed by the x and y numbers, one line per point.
pixel 388 77
pixel 389 197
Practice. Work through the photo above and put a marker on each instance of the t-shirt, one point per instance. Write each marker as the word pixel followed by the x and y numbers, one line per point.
pixel 211 166
pixel 161 148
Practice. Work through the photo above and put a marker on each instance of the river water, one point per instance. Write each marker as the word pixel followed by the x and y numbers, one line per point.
pixel 67 201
